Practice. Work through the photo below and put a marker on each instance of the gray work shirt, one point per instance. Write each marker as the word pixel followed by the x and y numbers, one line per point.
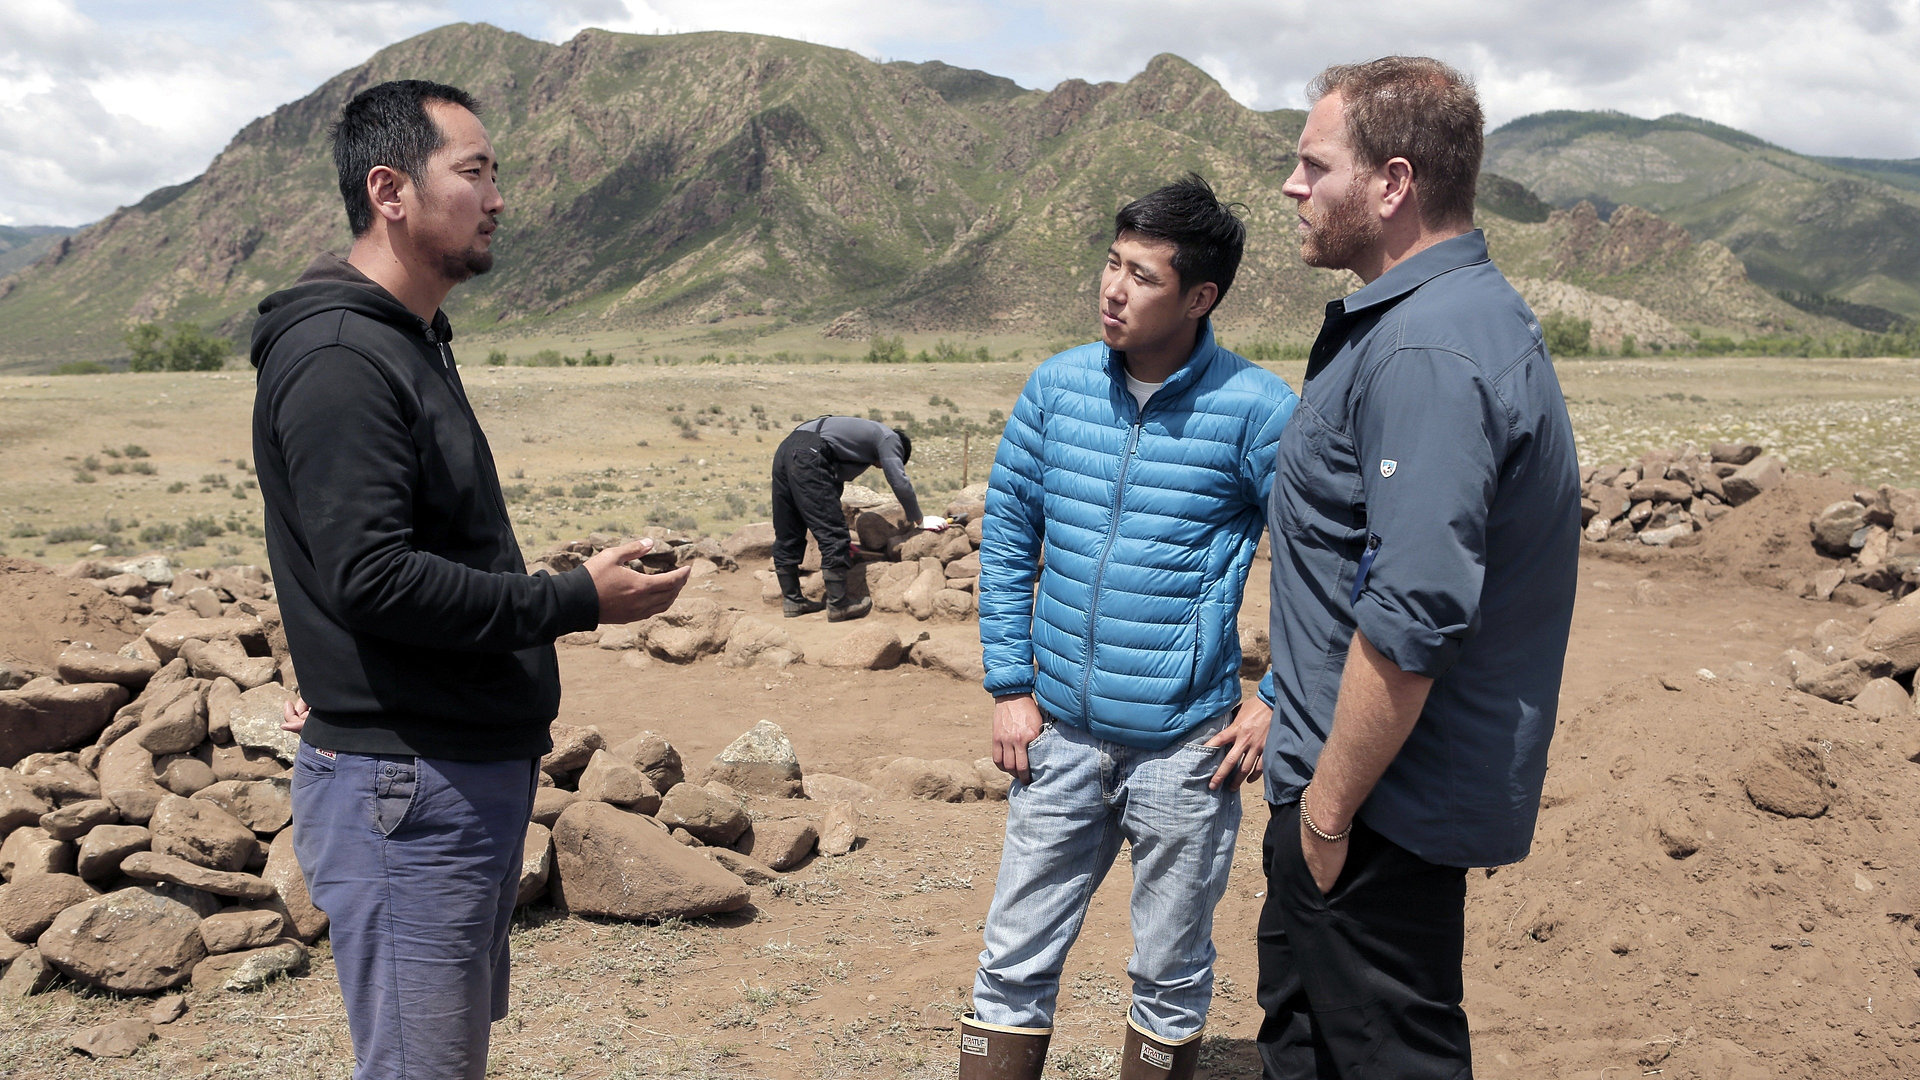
pixel 1427 492
pixel 858 443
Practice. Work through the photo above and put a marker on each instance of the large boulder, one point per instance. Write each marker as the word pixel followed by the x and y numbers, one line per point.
pixel 239 930
pixel 127 780
pixel 750 543
pixel 30 850
pixel 937 780
pixel 693 627
pixel 612 863
pixel 171 632
pixel 536 864
pixel 250 970
pixel 155 868
pixel 81 663
pixel 760 762
pixel 779 843
pixel 129 942
pixel 573 747
pixel 201 833
pixel 1840 682
pixel 255 722
pixel 228 660
pixel 713 813
pixel 1895 634
pixel 609 779
pixel 872 647
pixel 1835 527
pixel 1884 699
pixel 290 897
pixel 44 715
pixel 265 806
pixel 757 642
pixel 29 904
pixel 174 720
pixel 919 596
pixel 1787 780
pixel 950 656
pixel 655 756
pixel 77 819
pixel 1761 474
pixel 104 848
pixel 19 803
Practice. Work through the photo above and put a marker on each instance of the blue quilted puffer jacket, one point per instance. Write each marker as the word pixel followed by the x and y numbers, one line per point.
pixel 1147 519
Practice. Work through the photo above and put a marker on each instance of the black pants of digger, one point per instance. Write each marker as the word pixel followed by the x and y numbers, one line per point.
pixel 1363 981
pixel 806 496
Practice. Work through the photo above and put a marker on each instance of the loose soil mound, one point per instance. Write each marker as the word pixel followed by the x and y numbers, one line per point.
pixel 1702 935
pixel 1766 541
pixel 40 612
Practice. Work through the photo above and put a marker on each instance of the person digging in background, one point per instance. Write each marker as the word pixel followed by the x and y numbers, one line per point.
pixel 1130 483
pixel 810 471
pixel 428 676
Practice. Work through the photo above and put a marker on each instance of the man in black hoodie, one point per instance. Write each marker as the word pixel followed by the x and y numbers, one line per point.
pixel 425 650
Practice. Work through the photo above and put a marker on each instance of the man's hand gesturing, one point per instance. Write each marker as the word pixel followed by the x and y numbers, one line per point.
pixel 628 595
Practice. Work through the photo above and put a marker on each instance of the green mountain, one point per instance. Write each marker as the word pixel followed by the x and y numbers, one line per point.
pixel 751 181
pixel 1816 230
pixel 23 246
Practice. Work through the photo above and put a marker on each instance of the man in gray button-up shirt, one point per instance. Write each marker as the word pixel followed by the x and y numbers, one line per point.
pixel 1425 524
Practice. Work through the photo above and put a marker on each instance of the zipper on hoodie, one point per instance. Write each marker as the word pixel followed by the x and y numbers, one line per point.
pixel 1106 551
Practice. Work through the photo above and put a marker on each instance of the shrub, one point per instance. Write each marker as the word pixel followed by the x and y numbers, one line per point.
pixel 81 367
pixel 187 348
pixel 497 358
pixel 886 350
pixel 134 450
pixel 1566 335
pixel 144 468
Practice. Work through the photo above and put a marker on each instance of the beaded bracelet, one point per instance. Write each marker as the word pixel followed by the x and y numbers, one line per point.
pixel 1324 837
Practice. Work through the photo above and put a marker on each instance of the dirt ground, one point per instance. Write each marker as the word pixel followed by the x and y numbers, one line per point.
pixel 1773 948
pixel 1662 926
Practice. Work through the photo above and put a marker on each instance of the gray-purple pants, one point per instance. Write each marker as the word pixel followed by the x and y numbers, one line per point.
pixel 416 862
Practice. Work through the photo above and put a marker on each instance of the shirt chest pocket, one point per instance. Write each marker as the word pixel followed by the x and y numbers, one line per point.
pixel 1316 486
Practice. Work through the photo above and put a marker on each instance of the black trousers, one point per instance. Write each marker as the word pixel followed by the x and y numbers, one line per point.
pixel 1363 981
pixel 806 496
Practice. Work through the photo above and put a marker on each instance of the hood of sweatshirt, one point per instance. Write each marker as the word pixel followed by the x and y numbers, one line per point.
pixel 331 283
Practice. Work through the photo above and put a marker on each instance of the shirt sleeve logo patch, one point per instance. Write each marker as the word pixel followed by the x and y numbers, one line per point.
pixel 1388 466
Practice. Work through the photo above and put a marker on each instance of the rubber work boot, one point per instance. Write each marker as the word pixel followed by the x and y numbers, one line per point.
pixel 793 602
pixel 993 1052
pixel 1147 1057
pixel 839 608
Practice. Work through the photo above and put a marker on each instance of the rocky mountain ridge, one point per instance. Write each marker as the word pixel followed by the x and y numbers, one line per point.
pixel 755 182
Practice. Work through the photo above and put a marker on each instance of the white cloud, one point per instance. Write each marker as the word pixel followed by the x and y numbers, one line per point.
pixel 100 102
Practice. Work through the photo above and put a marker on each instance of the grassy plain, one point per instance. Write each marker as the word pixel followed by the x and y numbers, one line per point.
pixel 686 443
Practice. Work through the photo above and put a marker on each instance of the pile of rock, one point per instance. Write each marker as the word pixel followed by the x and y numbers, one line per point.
pixel 1668 496
pixel 1872 670
pixel 144 799
pixel 621 832
pixel 1876 537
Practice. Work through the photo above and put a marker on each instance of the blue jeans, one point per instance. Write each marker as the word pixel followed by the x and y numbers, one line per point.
pixel 416 862
pixel 1064 829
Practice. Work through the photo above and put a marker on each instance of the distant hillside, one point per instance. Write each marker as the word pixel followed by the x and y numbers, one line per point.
pixel 1901 174
pixel 22 246
pixel 1816 229
pixel 711 178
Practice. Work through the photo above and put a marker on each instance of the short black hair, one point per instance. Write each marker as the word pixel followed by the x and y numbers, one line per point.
pixel 388 125
pixel 906 446
pixel 1207 235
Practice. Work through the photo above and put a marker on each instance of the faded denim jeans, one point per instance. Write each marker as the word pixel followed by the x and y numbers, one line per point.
pixel 1064 828
pixel 416 862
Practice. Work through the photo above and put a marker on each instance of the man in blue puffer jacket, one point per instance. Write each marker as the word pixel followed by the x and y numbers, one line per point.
pixel 1132 484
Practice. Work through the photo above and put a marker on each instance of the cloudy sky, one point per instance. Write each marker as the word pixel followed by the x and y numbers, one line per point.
pixel 102 101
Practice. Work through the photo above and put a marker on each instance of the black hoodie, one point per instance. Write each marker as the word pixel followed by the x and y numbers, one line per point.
pixel 412 620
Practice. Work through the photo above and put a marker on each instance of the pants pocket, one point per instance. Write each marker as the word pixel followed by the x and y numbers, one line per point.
pixel 394 785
